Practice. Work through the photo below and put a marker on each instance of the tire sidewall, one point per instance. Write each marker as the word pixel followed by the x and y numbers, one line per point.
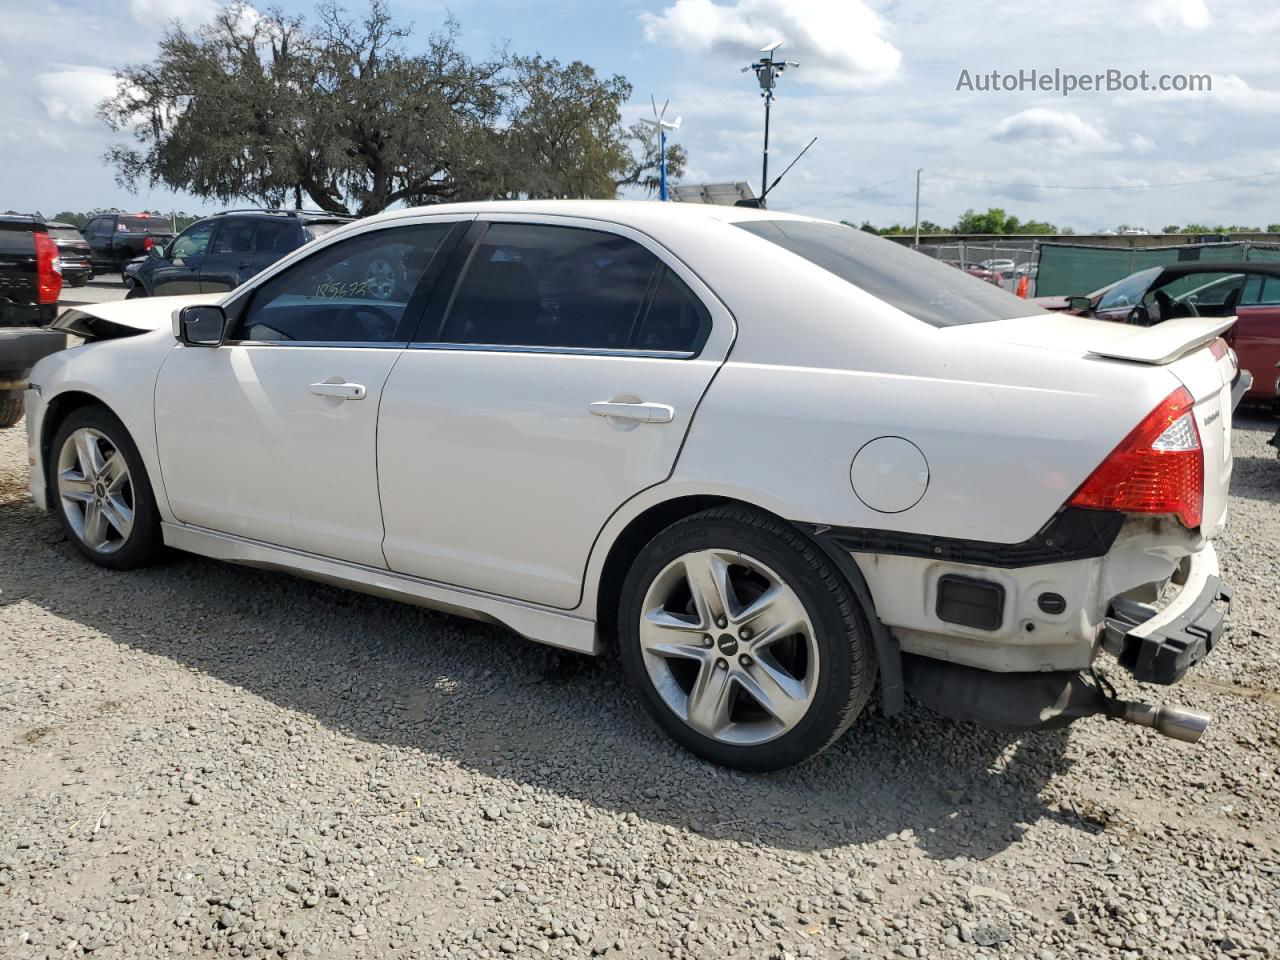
pixel 838 677
pixel 144 539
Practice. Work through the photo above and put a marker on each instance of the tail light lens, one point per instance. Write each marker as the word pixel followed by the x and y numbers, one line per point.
pixel 1157 468
pixel 147 243
pixel 48 274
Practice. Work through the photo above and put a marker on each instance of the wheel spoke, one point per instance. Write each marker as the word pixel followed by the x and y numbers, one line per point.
pixel 95 526
pixel 667 635
pixel 781 694
pixel 708 709
pixel 708 577
pixel 88 454
pixel 775 614
pixel 119 515
pixel 115 472
pixel 74 487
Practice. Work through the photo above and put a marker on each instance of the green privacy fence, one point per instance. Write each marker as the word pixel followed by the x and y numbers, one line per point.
pixel 1067 269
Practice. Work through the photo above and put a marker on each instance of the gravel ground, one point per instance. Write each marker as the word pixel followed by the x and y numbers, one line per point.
pixel 204 759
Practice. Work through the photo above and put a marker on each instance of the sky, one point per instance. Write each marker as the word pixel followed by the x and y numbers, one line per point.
pixel 877 84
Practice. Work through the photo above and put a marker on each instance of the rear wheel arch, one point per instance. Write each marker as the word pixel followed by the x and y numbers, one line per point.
pixel 650 522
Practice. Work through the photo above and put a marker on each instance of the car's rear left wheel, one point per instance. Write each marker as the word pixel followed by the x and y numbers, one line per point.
pixel 104 500
pixel 745 643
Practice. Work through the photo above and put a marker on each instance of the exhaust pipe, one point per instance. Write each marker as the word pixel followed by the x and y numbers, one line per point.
pixel 1178 723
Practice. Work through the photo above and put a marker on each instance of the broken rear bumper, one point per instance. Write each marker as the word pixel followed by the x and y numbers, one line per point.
pixel 1159 645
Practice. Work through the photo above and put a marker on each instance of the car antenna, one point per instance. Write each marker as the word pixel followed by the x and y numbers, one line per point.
pixel 788 170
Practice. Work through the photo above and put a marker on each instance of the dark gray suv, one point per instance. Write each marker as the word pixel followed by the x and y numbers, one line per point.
pixel 223 251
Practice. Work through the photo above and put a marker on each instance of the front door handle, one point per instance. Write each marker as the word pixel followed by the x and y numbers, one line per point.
pixel 641 412
pixel 342 391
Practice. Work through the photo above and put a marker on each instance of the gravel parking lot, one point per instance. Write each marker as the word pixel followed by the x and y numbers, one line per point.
pixel 204 759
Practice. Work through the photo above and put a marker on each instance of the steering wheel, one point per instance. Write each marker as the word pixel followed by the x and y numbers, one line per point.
pixel 373 322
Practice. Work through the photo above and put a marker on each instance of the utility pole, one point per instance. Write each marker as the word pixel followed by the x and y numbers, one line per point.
pixel 767 72
pixel 918 172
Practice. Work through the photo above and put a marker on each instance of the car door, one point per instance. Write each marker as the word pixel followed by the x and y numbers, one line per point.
pixel 1257 334
pixel 219 269
pixel 99 240
pixel 556 380
pixel 271 436
pixel 178 270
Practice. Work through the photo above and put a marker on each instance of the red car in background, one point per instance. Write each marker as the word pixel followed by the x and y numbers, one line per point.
pixel 1250 291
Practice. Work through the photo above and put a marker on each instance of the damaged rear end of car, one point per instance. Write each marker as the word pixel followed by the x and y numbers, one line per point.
pixel 1147 588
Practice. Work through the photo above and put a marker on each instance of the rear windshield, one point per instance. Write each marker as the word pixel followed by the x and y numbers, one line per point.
pixel 142 225
pixel 65 233
pixel 915 283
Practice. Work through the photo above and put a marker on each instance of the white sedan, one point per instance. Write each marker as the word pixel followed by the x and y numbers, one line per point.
pixel 767 458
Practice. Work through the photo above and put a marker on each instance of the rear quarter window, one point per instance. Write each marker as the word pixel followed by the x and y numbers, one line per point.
pixel 917 284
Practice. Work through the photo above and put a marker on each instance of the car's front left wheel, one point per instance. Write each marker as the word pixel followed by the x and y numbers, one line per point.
pixel 100 487
pixel 743 640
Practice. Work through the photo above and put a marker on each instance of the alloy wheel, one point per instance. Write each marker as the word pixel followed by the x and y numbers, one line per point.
pixel 729 647
pixel 95 490
pixel 381 279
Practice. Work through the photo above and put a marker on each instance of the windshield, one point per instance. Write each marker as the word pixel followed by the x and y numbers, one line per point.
pixel 1128 292
pixel 65 233
pixel 913 282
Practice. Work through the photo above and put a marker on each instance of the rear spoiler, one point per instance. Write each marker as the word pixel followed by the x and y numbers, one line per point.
pixel 1165 342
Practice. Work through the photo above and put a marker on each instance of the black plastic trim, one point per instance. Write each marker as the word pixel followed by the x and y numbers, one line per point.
pixel 1164 657
pixel 1073 534
pixel 970 602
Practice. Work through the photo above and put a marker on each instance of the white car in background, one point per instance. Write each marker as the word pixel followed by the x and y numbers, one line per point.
pixel 770 458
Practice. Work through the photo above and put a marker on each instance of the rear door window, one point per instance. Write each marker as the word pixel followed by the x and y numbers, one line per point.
pixel 276 238
pixel 918 285
pixel 234 237
pixel 550 287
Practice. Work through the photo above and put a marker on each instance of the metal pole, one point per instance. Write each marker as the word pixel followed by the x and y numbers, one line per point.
pixel 918 172
pixel 764 179
pixel 662 165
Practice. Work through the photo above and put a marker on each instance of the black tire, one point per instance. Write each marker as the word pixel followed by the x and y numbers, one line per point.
pixel 135 292
pixel 843 638
pixel 10 411
pixel 144 542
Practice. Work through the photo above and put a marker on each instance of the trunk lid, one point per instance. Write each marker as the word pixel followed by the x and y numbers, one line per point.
pixel 1180 346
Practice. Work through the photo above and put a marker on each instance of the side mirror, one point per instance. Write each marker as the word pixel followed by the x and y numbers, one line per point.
pixel 1080 304
pixel 202 326
pixel 157 251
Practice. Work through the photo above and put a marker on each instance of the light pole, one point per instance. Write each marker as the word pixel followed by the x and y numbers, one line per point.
pixel 767 72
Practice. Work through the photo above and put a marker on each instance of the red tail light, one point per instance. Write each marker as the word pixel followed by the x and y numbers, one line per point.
pixel 48 276
pixel 147 243
pixel 1158 468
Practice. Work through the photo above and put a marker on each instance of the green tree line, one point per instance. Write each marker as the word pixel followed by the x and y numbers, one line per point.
pixel 339 113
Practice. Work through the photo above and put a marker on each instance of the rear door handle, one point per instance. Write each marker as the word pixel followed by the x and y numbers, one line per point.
pixel 342 391
pixel 641 412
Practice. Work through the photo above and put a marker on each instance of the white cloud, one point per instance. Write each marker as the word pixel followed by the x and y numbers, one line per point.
pixel 1173 15
pixel 191 13
pixel 840 44
pixel 71 95
pixel 1232 92
pixel 1055 128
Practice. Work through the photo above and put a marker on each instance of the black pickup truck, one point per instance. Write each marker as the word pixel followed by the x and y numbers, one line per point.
pixel 30 283
pixel 116 238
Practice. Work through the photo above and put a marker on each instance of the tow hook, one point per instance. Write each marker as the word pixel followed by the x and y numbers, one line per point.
pixel 1175 722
